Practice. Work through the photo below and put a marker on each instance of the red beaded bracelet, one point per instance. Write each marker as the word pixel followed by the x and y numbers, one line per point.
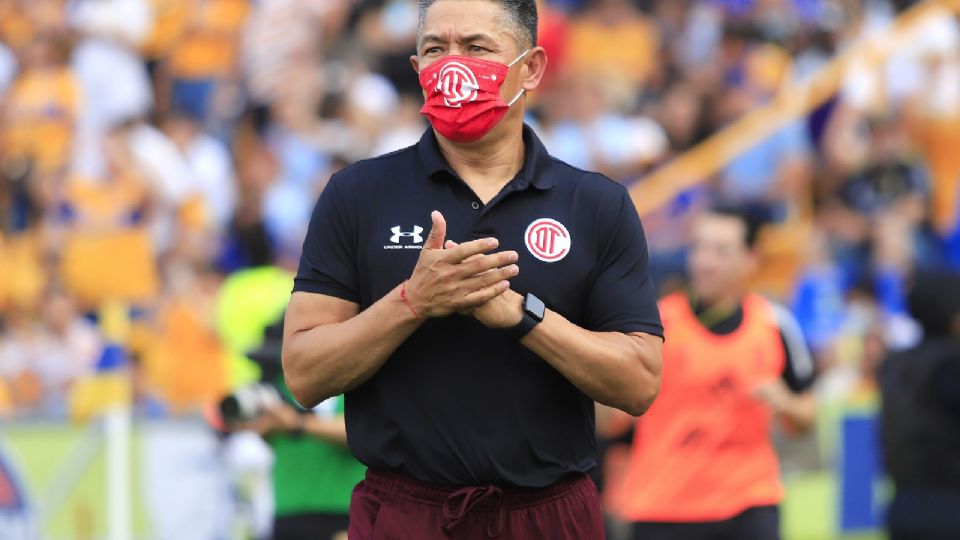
pixel 406 300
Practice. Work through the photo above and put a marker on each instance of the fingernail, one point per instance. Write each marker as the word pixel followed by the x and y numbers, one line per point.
pixel 493 242
pixel 514 269
pixel 513 256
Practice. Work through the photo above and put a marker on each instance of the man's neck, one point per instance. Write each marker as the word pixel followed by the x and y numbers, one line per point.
pixel 720 305
pixel 489 164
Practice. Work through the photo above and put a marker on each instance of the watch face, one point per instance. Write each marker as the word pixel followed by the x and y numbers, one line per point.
pixel 534 306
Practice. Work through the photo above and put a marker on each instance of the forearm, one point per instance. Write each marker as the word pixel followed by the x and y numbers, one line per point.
pixel 612 368
pixel 612 423
pixel 332 430
pixel 800 412
pixel 331 359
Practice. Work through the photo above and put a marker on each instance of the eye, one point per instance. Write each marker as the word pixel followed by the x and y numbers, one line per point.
pixel 478 48
pixel 431 50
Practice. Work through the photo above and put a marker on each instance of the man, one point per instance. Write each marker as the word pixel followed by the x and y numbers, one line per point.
pixel 920 417
pixel 702 464
pixel 470 377
pixel 312 502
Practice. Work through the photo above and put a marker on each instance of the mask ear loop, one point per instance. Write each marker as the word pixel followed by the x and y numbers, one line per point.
pixel 517 59
pixel 510 65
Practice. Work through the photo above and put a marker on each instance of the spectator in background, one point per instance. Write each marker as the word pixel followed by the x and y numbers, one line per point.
pixel 581 126
pixel 211 168
pixel 43 354
pixel 42 108
pixel 104 219
pixel 614 43
pixel 312 503
pixel 920 418
pixel 111 73
pixel 203 64
pixel 774 174
pixel 703 465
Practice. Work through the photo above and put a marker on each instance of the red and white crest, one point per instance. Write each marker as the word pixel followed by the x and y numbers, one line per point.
pixel 457 83
pixel 548 240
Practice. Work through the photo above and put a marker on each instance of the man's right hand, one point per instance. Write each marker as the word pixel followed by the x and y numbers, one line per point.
pixel 459 279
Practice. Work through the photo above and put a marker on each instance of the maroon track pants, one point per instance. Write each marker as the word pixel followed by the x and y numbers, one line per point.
pixel 387 506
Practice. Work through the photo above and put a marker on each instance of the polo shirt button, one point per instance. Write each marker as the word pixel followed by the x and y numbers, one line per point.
pixel 475 205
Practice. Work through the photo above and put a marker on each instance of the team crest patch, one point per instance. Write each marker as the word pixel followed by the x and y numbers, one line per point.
pixel 548 240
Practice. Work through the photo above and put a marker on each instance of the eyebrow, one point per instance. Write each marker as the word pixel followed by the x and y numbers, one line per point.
pixel 436 38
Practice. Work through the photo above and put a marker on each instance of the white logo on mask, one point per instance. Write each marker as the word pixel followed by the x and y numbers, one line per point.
pixel 457 83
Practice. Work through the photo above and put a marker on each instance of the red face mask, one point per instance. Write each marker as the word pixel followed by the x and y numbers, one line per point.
pixel 463 96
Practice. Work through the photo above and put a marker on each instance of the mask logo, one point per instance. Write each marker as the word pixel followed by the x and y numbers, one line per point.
pixel 457 83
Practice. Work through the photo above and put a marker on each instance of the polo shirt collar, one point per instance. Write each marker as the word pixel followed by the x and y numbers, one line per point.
pixel 531 174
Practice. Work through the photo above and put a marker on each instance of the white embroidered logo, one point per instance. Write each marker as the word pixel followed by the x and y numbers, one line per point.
pixel 401 239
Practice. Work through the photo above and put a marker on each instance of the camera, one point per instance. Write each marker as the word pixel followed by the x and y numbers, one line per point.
pixel 248 402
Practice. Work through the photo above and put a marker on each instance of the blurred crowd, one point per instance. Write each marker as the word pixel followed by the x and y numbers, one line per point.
pixel 151 151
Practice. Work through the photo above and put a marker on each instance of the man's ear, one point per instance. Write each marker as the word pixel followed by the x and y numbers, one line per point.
pixel 415 62
pixel 536 63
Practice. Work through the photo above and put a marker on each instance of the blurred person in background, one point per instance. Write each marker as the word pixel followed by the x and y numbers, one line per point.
pixel 44 352
pixel 203 66
pixel 104 218
pixel 920 416
pixel 420 358
pixel 41 110
pixel 583 128
pixel 614 43
pixel 211 168
pixel 775 173
pixel 703 464
pixel 313 471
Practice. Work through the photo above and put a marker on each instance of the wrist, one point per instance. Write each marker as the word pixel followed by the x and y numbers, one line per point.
pixel 416 312
pixel 299 426
pixel 532 311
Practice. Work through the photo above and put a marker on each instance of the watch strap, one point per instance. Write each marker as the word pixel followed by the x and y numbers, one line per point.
pixel 527 323
pixel 530 318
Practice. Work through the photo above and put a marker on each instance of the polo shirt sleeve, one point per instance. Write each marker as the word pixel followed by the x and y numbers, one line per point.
pixel 328 263
pixel 621 296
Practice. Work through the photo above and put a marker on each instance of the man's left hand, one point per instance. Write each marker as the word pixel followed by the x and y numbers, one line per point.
pixel 503 311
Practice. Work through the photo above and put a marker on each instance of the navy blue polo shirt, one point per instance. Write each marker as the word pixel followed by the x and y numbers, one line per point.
pixel 459 403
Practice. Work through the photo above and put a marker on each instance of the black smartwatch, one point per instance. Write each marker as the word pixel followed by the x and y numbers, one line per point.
pixel 533 311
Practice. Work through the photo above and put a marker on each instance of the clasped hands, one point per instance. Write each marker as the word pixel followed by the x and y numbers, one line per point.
pixel 464 278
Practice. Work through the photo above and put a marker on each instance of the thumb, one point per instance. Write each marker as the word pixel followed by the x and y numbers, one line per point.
pixel 438 231
pixel 450 244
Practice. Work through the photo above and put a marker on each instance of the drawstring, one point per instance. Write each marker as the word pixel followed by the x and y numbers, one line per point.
pixel 471 497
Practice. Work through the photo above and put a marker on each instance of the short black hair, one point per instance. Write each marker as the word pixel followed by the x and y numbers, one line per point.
pixel 753 220
pixel 934 302
pixel 523 13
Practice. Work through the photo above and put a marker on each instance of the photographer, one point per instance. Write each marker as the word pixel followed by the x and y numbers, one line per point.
pixel 920 417
pixel 314 472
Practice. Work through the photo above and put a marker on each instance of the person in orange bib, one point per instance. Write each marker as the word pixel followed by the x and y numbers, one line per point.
pixel 702 464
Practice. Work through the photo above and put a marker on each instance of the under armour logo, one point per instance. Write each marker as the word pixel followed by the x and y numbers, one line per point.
pixel 398 234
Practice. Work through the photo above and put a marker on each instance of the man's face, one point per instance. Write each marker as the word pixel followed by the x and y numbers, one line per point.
pixel 720 260
pixel 475 28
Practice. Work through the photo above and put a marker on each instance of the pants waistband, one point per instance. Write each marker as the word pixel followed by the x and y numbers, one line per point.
pixel 436 495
